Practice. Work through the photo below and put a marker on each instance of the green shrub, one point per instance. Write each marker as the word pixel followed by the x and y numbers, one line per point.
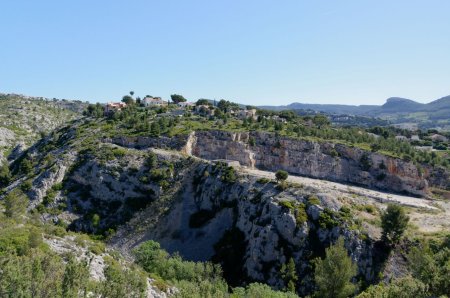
pixel 327 219
pixel 287 204
pixel 313 200
pixel 281 175
pixel 370 209
pixel 263 180
pixel 119 152
pixel 283 185
pixel 26 186
pixel 300 214
pixel 158 174
pixel 229 175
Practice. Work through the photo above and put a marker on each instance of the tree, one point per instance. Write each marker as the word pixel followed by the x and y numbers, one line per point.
pixel 150 256
pixel 15 205
pixel 176 98
pixel 333 274
pixel 26 166
pixel 152 160
pixel 128 99
pixel 289 275
pixel 281 175
pixel 155 130
pixel 320 120
pixel 5 175
pixel 393 222
pixel 202 101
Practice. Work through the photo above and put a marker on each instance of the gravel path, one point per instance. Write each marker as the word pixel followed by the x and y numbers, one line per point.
pixel 327 186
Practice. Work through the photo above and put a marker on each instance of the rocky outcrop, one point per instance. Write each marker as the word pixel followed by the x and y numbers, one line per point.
pixel 323 160
pixel 49 177
pixel 245 226
pixel 335 162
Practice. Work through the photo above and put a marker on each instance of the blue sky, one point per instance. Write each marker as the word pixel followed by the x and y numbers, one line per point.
pixel 254 52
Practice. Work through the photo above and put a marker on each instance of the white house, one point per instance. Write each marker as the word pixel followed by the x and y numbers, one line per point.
pixel 153 101
pixel 185 104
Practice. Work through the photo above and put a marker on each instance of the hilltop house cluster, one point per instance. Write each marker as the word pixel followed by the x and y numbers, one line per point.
pixel 199 109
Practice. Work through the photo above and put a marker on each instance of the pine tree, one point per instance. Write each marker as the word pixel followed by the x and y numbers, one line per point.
pixel 333 274
pixel 394 222
pixel 289 275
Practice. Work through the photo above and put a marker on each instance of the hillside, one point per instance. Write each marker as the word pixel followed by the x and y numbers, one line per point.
pixel 24 120
pixel 104 189
pixel 400 111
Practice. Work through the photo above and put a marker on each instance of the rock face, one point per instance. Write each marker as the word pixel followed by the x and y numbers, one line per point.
pixel 203 210
pixel 245 226
pixel 328 161
pixel 335 162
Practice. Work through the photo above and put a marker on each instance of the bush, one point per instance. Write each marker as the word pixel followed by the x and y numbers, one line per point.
pixel 26 166
pixel 263 180
pixel 151 160
pixel 158 175
pixel 229 175
pixel 119 152
pixel 327 219
pixel 283 185
pixel 281 175
pixel 26 186
pixel 313 200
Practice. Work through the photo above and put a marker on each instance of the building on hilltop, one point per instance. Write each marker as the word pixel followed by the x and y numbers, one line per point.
pixel 204 110
pixel 185 104
pixel 251 113
pixel 112 107
pixel 153 101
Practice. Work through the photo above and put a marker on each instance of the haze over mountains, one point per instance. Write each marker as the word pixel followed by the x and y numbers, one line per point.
pixel 402 111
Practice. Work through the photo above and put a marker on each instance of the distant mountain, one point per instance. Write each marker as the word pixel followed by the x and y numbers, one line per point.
pixel 398 104
pixel 327 108
pixel 401 111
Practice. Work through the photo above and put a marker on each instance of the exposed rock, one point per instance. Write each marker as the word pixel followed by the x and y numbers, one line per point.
pixel 17 151
pixel 334 162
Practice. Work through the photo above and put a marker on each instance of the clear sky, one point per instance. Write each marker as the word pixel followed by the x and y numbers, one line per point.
pixel 248 51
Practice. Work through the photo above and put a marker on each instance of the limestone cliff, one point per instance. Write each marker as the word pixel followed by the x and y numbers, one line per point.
pixel 324 160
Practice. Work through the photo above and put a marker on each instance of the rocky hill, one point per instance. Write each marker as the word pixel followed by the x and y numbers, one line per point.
pixel 204 189
pixel 24 120
pixel 181 192
pixel 205 211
